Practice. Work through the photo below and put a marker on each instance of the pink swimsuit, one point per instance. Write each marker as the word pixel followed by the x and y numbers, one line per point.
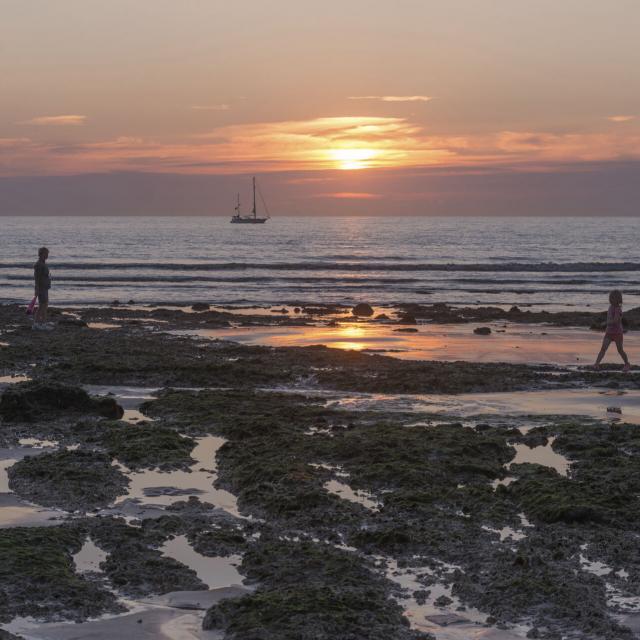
pixel 614 322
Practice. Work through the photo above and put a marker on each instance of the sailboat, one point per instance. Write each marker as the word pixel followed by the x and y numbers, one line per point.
pixel 253 218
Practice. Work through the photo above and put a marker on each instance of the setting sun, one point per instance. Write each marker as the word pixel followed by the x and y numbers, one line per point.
pixel 353 158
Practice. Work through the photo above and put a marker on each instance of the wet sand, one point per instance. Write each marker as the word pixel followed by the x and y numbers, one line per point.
pixel 525 344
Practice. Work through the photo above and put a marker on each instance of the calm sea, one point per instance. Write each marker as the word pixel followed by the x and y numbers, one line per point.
pixel 550 262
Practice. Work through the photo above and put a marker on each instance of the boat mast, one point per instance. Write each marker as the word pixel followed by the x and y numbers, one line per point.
pixel 238 206
pixel 254 196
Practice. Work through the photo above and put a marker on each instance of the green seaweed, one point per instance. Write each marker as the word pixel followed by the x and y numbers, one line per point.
pixel 339 596
pixel 68 479
pixel 147 446
pixel 35 400
pixel 37 576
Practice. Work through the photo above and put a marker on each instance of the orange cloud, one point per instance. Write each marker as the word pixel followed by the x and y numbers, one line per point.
pixel 56 121
pixel 348 143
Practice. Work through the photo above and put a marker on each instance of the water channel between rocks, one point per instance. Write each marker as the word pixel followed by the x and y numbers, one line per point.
pixel 153 487
pixel 600 404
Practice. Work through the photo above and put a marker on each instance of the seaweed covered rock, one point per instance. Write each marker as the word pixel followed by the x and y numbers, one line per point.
pixel 70 480
pixel 37 576
pixel 235 413
pixel 221 540
pixel 135 566
pixel 33 400
pixel 538 583
pixel 147 446
pixel 339 597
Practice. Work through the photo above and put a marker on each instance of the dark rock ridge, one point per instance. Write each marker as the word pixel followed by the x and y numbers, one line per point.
pixel 310 590
pixel 37 576
pixel 69 480
pixel 44 400
pixel 443 313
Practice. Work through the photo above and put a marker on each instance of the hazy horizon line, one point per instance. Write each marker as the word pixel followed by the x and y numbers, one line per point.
pixel 324 215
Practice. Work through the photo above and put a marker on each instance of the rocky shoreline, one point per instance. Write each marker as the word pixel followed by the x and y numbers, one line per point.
pixel 339 509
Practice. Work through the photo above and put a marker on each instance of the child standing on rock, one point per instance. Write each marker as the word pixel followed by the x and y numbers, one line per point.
pixel 614 331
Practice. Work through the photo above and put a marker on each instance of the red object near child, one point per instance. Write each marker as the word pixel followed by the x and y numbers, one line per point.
pixel 32 306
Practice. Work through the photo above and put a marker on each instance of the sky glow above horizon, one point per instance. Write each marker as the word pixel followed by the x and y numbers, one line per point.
pixel 292 89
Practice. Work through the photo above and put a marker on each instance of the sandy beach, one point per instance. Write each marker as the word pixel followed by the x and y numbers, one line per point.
pixel 175 473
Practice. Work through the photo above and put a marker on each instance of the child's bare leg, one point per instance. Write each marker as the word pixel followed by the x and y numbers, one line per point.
pixel 41 315
pixel 621 351
pixel 606 341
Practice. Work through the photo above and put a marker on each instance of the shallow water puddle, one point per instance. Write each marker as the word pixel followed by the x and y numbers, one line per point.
pixel 523 520
pixel 593 566
pixel 543 455
pixel 36 443
pixel 622 601
pixel 129 398
pixel 215 572
pixel 448 621
pixel 126 397
pixel 598 568
pixel 592 402
pixel 327 467
pixel 133 416
pixel 103 325
pixel 4 476
pixel 345 492
pixel 142 622
pixel 153 487
pixel 507 533
pixel 88 559
pixel 505 482
pixel 14 379
pixel 15 512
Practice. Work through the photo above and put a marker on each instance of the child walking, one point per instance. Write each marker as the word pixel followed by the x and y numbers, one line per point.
pixel 614 329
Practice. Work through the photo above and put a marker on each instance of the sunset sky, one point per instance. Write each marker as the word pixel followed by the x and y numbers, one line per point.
pixel 350 106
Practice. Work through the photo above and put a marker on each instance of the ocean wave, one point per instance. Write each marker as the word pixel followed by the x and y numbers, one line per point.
pixel 521 267
pixel 120 279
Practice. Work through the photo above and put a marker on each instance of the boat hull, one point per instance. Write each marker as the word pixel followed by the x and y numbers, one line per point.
pixel 235 220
